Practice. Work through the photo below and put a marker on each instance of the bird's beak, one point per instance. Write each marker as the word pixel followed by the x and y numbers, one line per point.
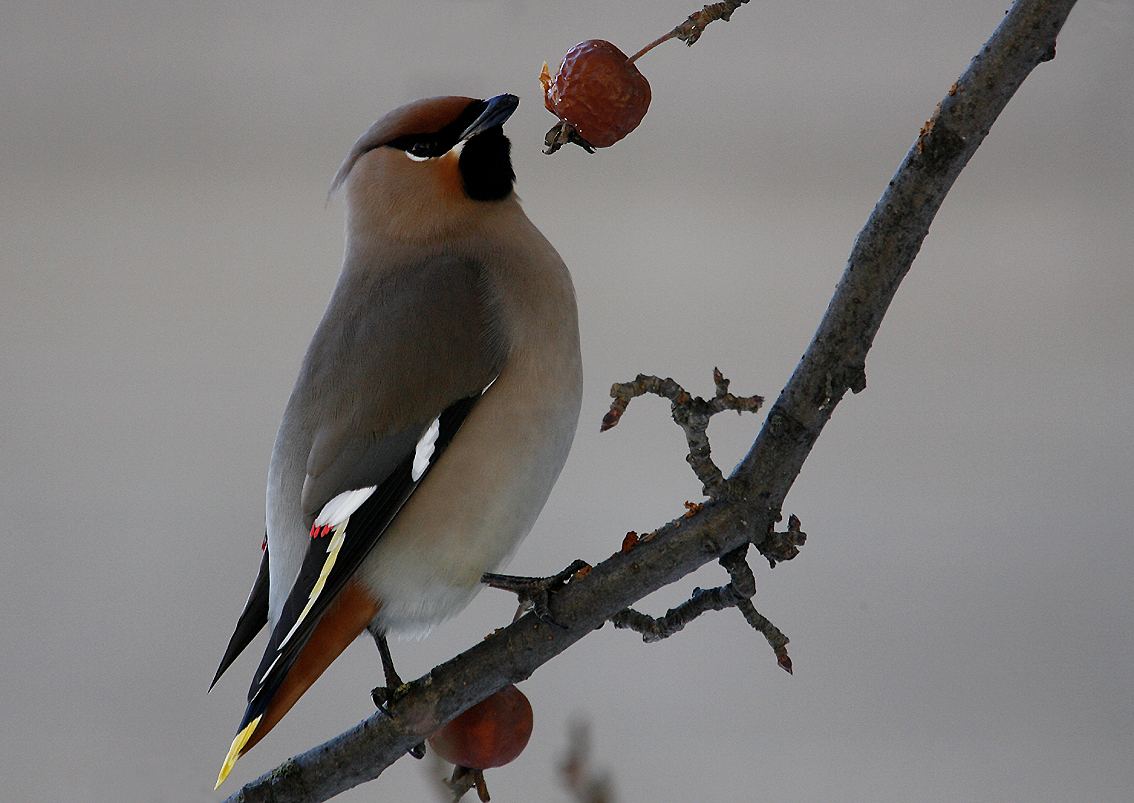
pixel 496 111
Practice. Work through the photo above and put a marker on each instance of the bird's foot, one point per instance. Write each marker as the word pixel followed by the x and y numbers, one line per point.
pixel 535 592
pixel 383 696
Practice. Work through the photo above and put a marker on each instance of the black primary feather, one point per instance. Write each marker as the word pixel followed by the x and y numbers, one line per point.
pixel 251 621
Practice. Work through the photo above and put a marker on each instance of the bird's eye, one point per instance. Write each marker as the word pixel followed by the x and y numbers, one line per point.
pixel 422 149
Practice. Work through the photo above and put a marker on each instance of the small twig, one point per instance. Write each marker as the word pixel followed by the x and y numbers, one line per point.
pixel 692 414
pixel 742 581
pixel 464 779
pixel 737 594
pixel 675 619
pixel 690 30
pixel 778 547
pixel 773 634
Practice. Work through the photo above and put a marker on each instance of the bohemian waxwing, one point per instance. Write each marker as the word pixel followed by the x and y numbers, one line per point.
pixel 433 411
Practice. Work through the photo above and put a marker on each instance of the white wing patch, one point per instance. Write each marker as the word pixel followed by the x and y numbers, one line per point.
pixel 424 452
pixel 339 509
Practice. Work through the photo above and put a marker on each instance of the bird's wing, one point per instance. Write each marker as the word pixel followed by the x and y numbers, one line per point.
pixel 392 353
pixel 395 377
pixel 251 621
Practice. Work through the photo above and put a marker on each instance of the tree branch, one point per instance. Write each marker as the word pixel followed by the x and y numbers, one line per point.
pixel 833 364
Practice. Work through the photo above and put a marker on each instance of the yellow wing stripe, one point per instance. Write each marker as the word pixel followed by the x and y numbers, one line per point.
pixel 333 548
pixel 234 751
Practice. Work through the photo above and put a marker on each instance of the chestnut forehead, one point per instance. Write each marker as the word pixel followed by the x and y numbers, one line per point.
pixel 424 116
pixel 427 116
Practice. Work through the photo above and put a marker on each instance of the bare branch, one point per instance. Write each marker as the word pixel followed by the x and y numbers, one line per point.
pixel 833 364
pixel 836 359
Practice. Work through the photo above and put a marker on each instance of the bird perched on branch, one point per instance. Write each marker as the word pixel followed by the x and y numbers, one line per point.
pixel 433 411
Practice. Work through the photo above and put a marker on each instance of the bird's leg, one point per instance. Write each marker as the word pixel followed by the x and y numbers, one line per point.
pixel 535 592
pixel 382 695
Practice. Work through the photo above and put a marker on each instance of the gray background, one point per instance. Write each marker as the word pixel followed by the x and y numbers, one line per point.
pixel 961 615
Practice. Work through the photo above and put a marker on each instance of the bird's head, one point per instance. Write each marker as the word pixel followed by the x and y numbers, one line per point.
pixel 428 166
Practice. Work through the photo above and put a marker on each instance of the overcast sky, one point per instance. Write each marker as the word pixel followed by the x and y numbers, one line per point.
pixel 962 616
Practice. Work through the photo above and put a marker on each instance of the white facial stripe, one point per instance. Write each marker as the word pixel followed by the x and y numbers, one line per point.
pixel 455 150
pixel 339 509
pixel 424 452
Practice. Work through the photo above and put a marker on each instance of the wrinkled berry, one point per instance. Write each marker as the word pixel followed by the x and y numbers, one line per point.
pixel 598 92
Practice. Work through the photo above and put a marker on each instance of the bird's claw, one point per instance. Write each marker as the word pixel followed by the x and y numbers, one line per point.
pixel 535 592
pixel 381 695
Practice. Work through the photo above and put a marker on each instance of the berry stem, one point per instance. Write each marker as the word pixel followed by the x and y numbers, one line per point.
pixel 652 45
pixel 690 30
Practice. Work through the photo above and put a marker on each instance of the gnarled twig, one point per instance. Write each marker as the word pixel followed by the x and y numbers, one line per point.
pixel 737 594
pixel 692 414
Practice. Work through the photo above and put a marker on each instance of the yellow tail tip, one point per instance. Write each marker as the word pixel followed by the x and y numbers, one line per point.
pixel 234 751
